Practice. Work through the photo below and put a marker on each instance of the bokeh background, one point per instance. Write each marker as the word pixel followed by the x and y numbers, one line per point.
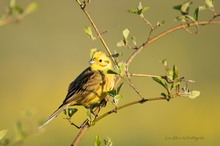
pixel 43 53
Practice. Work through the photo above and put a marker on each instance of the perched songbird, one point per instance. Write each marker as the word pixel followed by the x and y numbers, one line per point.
pixel 91 86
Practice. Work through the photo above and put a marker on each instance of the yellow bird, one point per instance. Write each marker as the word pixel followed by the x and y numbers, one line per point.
pixel 91 86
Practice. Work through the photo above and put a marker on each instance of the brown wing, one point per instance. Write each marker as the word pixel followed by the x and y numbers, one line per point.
pixel 83 90
pixel 87 83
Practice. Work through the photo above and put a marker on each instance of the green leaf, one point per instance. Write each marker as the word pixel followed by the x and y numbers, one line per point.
pixel 70 111
pixel 140 7
pixel 164 62
pixel 185 18
pixel 134 41
pixel 88 31
pixel 193 94
pixel 108 142
pixel 119 88
pixel 164 95
pixel 117 54
pixel 161 81
pixel 160 23
pixel 196 14
pixel 177 7
pixel 122 67
pixel 169 74
pixel 97 141
pixel 139 10
pixel 191 18
pixel 112 93
pixel 17 10
pixel 116 99
pixel 175 72
pixel 175 84
pixel 201 8
pixel 3 133
pixel 30 8
pixel 115 94
pixel 197 11
pixel 185 7
pixel 145 9
pixel 181 18
pixel 125 33
pixel 120 44
pixel 133 11
pixel 210 4
pixel 90 116
pixel 110 71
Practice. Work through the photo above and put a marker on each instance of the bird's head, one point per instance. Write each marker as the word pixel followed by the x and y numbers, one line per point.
pixel 100 61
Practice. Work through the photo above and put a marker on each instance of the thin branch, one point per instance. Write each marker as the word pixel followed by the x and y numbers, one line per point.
pixel 150 25
pixel 149 35
pixel 97 31
pixel 80 135
pixel 69 120
pixel 148 22
pixel 215 16
pixel 127 105
pixel 143 75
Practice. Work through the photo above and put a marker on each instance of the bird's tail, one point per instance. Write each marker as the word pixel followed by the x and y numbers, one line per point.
pixel 54 115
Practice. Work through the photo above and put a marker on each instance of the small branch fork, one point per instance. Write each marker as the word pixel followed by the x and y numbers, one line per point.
pixel 131 85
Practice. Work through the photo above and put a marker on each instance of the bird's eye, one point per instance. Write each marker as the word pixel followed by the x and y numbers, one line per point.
pixel 100 60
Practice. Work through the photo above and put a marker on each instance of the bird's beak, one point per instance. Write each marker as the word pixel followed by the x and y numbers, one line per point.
pixel 91 61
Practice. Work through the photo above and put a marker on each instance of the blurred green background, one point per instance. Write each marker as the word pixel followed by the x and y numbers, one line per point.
pixel 43 53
